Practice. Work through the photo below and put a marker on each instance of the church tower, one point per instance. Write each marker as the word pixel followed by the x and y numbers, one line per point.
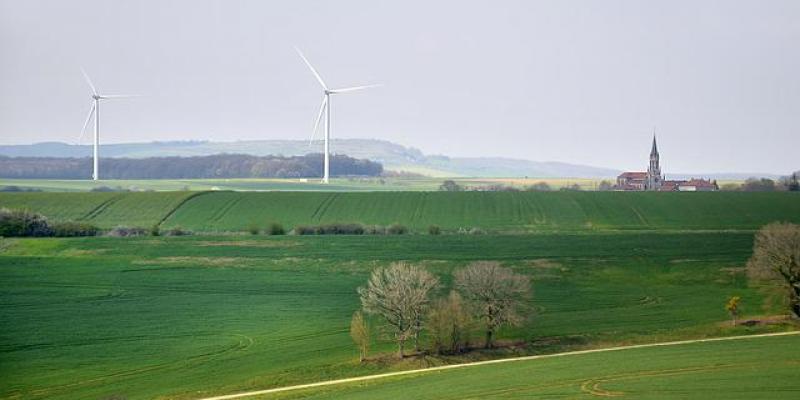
pixel 654 177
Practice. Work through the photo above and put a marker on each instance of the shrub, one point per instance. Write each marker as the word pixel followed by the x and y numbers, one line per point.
pixel 23 223
pixel 72 229
pixel 274 228
pixel 124 231
pixel 303 230
pixel 434 230
pixel 539 187
pixel 177 231
pixel 155 230
pixel 341 229
pixel 375 230
pixel 253 229
pixel 477 231
pixel 396 229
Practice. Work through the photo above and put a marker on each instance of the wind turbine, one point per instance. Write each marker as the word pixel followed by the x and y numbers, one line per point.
pixel 326 109
pixel 95 110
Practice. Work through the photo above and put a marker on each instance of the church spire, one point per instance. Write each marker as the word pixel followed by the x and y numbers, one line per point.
pixel 654 151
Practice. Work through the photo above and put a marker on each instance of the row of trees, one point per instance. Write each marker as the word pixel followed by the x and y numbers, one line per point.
pixel 485 296
pixel 214 166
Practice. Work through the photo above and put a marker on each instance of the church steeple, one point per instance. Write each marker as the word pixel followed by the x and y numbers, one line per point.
pixel 654 177
pixel 654 151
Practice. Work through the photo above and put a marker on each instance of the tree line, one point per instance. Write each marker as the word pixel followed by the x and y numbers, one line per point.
pixel 485 297
pixel 199 167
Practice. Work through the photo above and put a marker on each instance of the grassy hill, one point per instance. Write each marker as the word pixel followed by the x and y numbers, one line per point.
pixel 498 211
pixel 180 318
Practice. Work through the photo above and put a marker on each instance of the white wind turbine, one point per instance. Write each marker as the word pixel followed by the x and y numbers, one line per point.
pixel 95 110
pixel 326 109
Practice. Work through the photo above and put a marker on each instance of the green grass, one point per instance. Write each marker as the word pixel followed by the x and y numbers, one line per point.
pixel 743 369
pixel 498 211
pixel 184 317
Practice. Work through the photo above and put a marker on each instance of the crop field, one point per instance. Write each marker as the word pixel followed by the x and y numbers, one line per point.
pixel 187 317
pixel 754 368
pixel 495 211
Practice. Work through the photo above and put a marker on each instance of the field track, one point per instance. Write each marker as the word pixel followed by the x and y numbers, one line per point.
pixel 473 364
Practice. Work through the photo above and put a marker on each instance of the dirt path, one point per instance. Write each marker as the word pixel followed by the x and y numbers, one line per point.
pixel 472 364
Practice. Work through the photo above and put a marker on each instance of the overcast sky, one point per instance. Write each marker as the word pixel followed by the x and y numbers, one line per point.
pixel 575 81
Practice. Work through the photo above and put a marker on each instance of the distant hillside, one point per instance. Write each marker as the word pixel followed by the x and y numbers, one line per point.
pixel 197 167
pixel 393 156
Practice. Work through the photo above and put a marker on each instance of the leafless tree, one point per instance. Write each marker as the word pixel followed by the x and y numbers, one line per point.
pixel 495 293
pixel 776 260
pixel 359 331
pixel 400 294
pixel 449 324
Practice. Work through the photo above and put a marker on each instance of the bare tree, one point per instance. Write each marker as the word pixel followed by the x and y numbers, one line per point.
pixel 400 294
pixel 359 331
pixel 776 260
pixel 496 294
pixel 449 324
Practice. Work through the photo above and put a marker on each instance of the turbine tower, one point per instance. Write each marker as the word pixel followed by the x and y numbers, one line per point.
pixel 325 108
pixel 95 110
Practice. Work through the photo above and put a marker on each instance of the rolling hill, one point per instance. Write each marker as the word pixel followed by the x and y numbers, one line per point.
pixel 393 156
pixel 495 211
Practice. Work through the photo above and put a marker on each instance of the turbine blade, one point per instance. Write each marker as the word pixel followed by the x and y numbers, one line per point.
pixel 89 81
pixel 319 118
pixel 311 67
pixel 119 96
pixel 354 88
pixel 85 124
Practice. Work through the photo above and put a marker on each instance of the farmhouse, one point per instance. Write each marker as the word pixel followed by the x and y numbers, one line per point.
pixel 654 180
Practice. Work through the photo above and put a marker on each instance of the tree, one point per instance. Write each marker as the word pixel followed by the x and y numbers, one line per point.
pixel 732 307
pixel 450 186
pixel 449 324
pixel 793 185
pixel 539 187
pixel 758 185
pixel 776 261
pixel 605 186
pixel 400 294
pixel 495 293
pixel 359 331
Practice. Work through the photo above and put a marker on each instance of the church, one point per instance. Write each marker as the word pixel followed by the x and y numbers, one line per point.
pixel 654 180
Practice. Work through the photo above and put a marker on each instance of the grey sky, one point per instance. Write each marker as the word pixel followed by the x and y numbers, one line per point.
pixel 574 81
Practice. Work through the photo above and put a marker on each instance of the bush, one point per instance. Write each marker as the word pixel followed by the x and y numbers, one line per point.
pixel 341 229
pixel 253 229
pixel 539 187
pixel 304 230
pixel 396 229
pixel 124 231
pixel 177 231
pixel 477 231
pixel 23 223
pixel 375 230
pixel 155 230
pixel 274 228
pixel 73 229
pixel 434 230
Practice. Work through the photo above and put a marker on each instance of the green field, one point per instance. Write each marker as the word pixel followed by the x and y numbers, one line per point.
pixel 756 368
pixel 191 316
pixel 494 211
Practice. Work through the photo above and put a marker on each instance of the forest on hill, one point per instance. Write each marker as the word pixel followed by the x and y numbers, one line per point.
pixel 197 167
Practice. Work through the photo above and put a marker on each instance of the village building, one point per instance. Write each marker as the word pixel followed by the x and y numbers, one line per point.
pixel 654 180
